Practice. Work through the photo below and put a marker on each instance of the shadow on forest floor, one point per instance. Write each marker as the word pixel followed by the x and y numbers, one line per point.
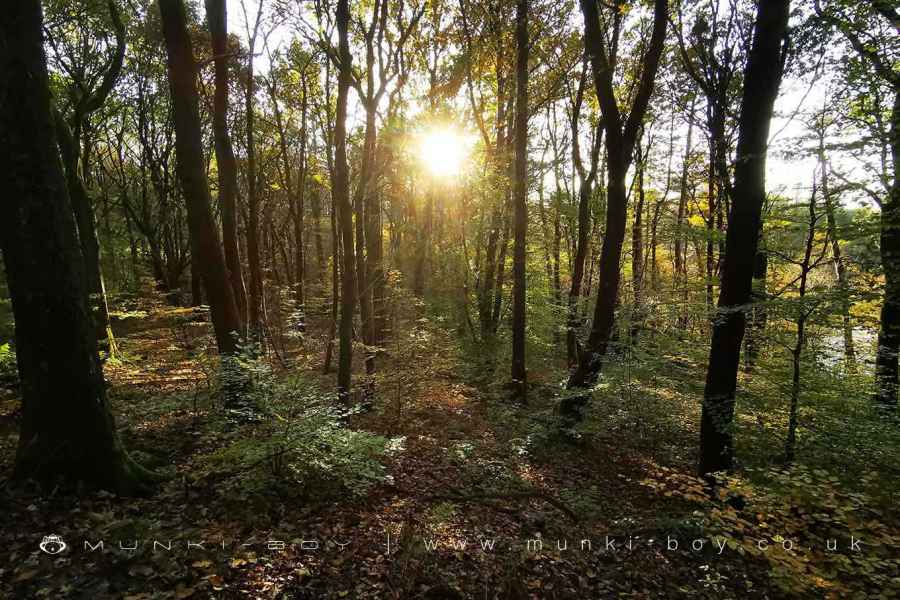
pixel 483 500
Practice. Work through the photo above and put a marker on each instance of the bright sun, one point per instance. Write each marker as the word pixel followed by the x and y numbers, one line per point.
pixel 442 151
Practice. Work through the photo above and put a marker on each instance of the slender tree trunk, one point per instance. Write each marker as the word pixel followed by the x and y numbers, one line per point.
pixel 680 245
pixel 501 276
pixel 66 428
pixel 252 225
pixel 191 168
pixel 584 228
pixel 315 206
pixel 621 135
pixel 520 207
pixel 802 315
pixel 637 250
pixel 342 204
pixel 300 211
pixel 710 233
pixel 759 315
pixel 761 83
pixel 85 223
pixel 840 269
pixel 226 166
pixel 363 287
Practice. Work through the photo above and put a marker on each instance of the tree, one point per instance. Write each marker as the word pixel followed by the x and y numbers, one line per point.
pixel 587 177
pixel 67 429
pixel 341 194
pixel 861 23
pixel 762 79
pixel 520 195
pixel 87 92
pixel 192 175
pixel 621 136
pixel 226 166
pixel 252 225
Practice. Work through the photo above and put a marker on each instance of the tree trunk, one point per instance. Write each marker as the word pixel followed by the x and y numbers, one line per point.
pixel 342 204
pixel 226 166
pixel 889 332
pixel 802 315
pixel 761 83
pixel 680 245
pixel 363 287
pixel 316 209
pixel 191 168
pixel 85 223
pixel 584 224
pixel 621 134
pixel 66 427
pixel 252 225
pixel 637 250
pixel 840 269
pixel 520 207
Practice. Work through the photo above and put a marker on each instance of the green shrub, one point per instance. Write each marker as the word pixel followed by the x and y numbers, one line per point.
pixel 9 371
pixel 299 436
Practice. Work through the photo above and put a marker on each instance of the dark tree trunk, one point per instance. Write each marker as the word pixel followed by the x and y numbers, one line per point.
pixel 226 166
pixel 342 204
pixel 761 83
pixel 889 333
pixel 66 427
pixel 710 233
pixel 637 249
pixel 520 208
pixel 191 168
pixel 87 100
pixel 360 208
pixel 806 266
pixel 759 315
pixel 252 224
pixel 584 222
pixel 621 135
pixel 300 209
pixel 85 223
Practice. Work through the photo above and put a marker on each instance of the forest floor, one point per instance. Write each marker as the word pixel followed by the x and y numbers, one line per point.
pixel 480 499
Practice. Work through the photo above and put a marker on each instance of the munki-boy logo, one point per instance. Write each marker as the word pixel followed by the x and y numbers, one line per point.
pixel 52 544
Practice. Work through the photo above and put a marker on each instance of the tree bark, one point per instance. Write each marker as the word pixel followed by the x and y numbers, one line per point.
pixel 761 83
pixel 621 135
pixel 520 194
pixel 191 168
pixel 342 204
pixel 585 190
pixel 66 428
pixel 637 248
pixel 226 166
pixel 889 333
pixel 252 224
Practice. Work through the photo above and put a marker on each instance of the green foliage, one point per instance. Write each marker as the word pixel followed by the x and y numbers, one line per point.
pixel 299 437
pixel 9 372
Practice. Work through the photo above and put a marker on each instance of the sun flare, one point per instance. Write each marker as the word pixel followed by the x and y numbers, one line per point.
pixel 443 152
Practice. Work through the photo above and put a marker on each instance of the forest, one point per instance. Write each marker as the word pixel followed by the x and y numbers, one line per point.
pixel 450 299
